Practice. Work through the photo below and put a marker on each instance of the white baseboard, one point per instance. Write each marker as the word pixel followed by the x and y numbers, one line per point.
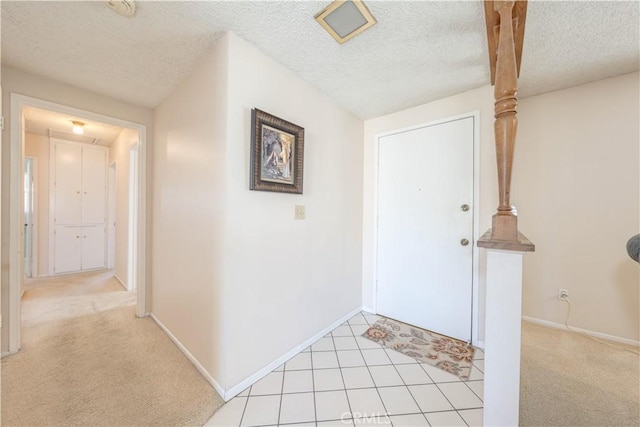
pixel 584 331
pixel 190 356
pixel 5 354
pixel 240 387
pixel 120 281
pixel 368 309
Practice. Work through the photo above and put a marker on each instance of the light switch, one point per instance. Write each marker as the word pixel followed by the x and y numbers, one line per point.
pixel 299 212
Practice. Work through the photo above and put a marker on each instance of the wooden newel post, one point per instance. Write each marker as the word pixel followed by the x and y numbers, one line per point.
pixel 505 221
pixel 505 35
pixel 505 246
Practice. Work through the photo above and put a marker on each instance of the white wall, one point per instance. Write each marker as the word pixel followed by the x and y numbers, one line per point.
pixel 236 279
pixel 17 81
pixel 475 100
pixel 285 280
pixel 576 187
pixel 576 183
pixel 119 152
pixel 189 208
pixel 37 146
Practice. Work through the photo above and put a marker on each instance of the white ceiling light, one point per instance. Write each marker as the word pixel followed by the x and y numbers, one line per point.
pixel 122 7
pixel 78 127
pixel 345 19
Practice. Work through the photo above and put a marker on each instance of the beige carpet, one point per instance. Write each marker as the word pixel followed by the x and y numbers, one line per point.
pixel 450 355
pixel 567 379
pixel 66 297
pixel 106 368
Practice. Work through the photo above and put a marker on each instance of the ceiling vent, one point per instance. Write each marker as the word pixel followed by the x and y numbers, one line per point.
pixel 122 7
pixel 54 133
pixel 345 19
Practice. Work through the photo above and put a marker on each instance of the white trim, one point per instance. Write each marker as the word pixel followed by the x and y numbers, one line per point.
pixel 368 309
pixel 15 220
pixel 18 102
pixel 232 392
pixel 584 331
pixel 132 214
pixel 242 385
pixel 189 356
pixel 120 281
pixel 5 354
pixel 475 308
pixel 112 190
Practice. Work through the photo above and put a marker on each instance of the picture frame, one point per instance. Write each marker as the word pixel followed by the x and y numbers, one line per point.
pixel 277 154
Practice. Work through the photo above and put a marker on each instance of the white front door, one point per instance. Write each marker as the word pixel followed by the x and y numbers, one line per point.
pixel 424 264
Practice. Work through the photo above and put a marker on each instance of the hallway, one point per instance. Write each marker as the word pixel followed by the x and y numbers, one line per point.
pixel 86 359
pixel 69 296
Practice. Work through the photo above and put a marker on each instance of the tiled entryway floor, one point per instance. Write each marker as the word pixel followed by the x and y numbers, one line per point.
pixel 346 380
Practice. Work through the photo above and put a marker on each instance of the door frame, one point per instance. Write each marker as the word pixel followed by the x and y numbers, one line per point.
pixel 16 222
pixel 34 216
pixel 112 186
pixel 475 305
pixel 132 238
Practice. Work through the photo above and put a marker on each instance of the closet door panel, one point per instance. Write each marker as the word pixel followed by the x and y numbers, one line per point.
pixel 67 242
pixel 93 247
pixel 68 184
pixel 94 184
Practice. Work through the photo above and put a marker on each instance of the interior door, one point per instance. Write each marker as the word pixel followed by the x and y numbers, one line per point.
pixel 93 248
pixel 425 227
pixel 68 183
pixel 67 241
pixel 94 185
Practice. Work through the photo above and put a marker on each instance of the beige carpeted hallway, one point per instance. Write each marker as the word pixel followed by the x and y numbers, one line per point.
pixel 95 363
pixel 567 379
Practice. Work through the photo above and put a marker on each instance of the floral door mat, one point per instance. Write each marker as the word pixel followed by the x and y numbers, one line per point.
pixel 446 353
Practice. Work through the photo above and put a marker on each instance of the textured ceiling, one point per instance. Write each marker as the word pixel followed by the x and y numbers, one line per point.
pixel 42 122
pixel 419 51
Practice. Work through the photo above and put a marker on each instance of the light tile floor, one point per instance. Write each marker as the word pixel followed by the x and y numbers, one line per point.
pixel 346 380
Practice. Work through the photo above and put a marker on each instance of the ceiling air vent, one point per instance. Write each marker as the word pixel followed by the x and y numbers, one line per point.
pixel 55 133
pixel 345 19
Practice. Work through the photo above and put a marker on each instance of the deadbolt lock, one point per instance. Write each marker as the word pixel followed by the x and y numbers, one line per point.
pixel 464 242
pixel 465 207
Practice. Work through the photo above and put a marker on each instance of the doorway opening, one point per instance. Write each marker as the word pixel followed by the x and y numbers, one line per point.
pixel 99 228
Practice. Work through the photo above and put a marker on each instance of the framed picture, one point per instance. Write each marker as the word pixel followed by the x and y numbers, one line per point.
pixel 277 154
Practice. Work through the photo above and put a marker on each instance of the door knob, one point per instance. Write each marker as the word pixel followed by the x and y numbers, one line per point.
pixel 464 207
pixel 464 242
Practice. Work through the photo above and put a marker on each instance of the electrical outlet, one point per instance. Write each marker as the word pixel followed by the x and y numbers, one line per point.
pixel 563 294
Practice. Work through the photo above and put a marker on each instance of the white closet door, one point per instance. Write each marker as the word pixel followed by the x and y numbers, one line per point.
pixel 94 184
pixel 68 184
pixel 68 247
pixel 93 247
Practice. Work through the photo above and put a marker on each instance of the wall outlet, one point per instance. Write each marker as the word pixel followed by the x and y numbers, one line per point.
pixel 563 294
pixel 299 212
